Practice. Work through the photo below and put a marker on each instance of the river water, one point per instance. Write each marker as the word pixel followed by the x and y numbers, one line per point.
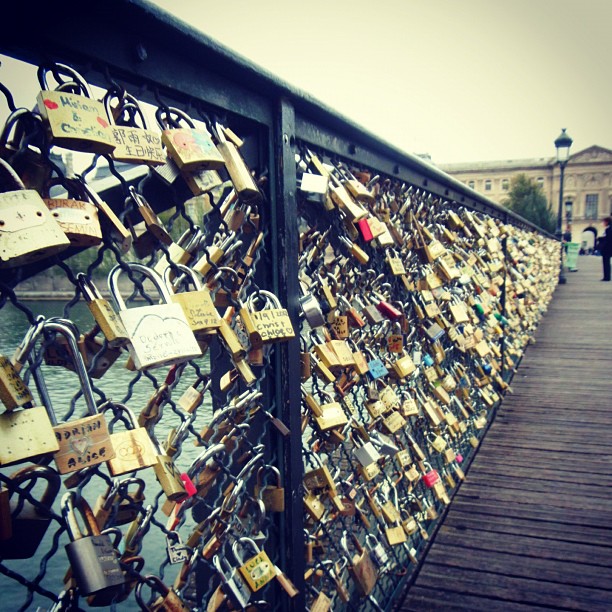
pixel 62 384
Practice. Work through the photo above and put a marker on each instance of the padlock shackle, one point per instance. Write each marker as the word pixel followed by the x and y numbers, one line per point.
pixel 170 122
pixel 58 70
pixel 34 472
pixel 113 282
pixel 241 542
pixel 69 504
pixel 186 271
pixel 116 407
pixel 67 329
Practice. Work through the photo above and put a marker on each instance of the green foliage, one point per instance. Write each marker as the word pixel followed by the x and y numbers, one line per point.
pixel 527 199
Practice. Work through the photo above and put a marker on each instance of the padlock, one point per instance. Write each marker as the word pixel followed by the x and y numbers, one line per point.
pixel 83 442
pixel 73 118
pixel 272 323
pixel 153 223
pixel 133 447
pixel 168 475
pixel 159 334
pixel 77 217
pixel 314 506
pixel 360 566
pixel 431 477
pixel 167 601
pixel 92 556
pixel 28 523
pixel 118 503
pixel 191 148
pixel 14 393
pixel 103 313
pixel 134 143
pixel 379 555
pixel 28 231
pixel 272 496
pixel 364 451
pixel 28 432
pixel 240 175
pixel 233 585
pixel 257 570
pixel 109 221
pixel 197 305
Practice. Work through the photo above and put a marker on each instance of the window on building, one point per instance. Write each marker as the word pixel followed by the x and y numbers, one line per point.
pixel 471 184
pixel 540 181
pixel 505 184
pixel 488 185
pixel 591 206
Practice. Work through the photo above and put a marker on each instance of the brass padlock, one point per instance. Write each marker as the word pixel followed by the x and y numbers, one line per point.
pixel 134 143
pixel 83 442
pixel 191 148
pixel 133 447
pixel 272 496
pixel 77 217
pixel 28 432
pixel 239 173
pixel 73 118
pixel 28 231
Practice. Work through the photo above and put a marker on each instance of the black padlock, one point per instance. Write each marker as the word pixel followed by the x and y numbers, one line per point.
pixel 93 558
pixel 29 523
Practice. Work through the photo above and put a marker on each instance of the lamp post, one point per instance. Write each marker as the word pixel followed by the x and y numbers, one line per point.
pixel 562 144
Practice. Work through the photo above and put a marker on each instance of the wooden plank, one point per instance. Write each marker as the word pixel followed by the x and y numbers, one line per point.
pixel 523 590
pixel 566 532
pixel 479 540
pixel 519 566
pixel 523 496
pixel 425 599
pixel 575 518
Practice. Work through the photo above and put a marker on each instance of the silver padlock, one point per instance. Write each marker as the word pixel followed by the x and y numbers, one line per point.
pixel 379 554
pixel 232 583
pixel 93 557
pixel 159 333
pixel 365 452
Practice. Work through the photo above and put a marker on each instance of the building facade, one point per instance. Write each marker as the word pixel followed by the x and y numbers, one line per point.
pixel 587 186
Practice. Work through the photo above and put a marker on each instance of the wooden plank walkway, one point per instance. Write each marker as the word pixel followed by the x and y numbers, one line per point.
pixel 530 528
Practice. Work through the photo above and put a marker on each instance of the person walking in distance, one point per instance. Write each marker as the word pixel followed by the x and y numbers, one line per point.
pixel 606 247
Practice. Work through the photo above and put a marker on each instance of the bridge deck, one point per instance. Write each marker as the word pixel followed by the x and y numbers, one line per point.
pixel 530 527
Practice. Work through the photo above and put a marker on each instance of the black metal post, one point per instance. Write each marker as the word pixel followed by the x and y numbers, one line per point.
pixel 559 232
pixel 286 254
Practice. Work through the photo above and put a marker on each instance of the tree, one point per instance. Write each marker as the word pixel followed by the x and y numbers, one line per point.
pixel 527 199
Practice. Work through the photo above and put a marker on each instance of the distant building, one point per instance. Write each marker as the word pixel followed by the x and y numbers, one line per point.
pixel 587 185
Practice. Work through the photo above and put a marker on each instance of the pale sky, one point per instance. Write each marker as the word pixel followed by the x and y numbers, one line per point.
pixel 462 80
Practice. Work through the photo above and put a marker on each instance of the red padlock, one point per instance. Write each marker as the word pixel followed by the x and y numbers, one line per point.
pixel 364 229
pixel 459 458
pixel 387 309
pixel 431 478
pixel 189 486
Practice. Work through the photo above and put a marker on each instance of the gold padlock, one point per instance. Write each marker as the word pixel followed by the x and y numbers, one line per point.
pixel 74 120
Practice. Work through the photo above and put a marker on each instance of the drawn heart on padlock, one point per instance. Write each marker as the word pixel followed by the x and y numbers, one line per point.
pixel 50 104
pixel 80 445
pixel 184 140
pixel 102 122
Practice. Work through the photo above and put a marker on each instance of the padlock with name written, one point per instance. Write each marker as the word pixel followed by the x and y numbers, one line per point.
pixel 83 442
pixel 73 118
pixel 134 143
pixel 159 333
pixel 77 217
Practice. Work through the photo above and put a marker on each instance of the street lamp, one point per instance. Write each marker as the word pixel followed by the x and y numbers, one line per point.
pixel 563 144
